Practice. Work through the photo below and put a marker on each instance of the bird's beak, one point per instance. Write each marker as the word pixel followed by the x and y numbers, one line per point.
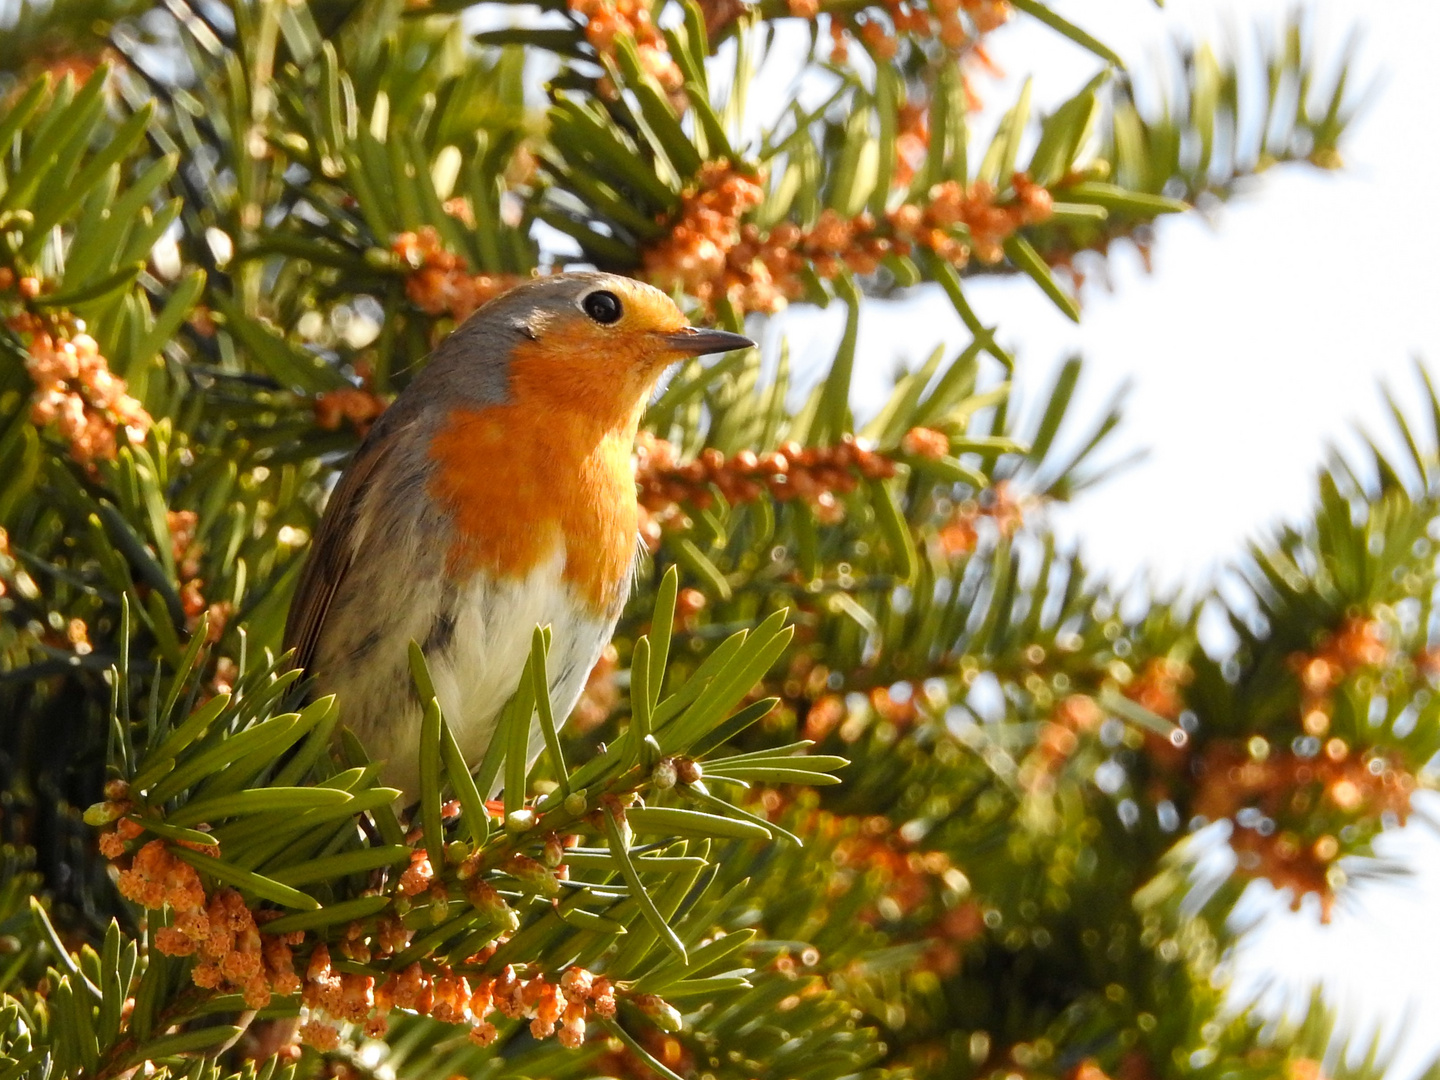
pixel 693 341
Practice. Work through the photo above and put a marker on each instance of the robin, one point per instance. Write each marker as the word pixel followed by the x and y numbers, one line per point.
pixel 496 494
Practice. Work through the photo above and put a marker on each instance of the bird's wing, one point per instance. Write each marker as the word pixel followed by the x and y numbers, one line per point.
pixel 338 538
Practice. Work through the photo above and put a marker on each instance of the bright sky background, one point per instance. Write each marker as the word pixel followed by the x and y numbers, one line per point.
pixel 1258 337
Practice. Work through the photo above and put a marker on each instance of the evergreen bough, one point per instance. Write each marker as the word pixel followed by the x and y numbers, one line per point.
pixel 876 781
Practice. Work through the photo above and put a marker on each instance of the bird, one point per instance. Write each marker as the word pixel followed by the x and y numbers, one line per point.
pixel 495 494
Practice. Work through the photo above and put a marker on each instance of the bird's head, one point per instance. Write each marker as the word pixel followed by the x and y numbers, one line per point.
pixel 588 342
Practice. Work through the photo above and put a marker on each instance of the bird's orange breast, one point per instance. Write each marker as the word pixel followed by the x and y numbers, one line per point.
pixel 523 478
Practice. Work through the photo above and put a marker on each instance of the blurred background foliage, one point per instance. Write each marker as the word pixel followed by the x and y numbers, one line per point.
pixel 229 232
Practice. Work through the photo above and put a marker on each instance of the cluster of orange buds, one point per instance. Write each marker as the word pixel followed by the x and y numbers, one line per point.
pixel 912 142
pixel 186 550
pixel 711 252
pixel 623 1062
pixel 839 32
pixel 957 927
pixel 819 694
pixel 764 271
pixel 719 14
pixel 344 995
pixel 461 209
pixel 389 937
pixel 869 852
pixel 1304 1069
pixel 958 25
pixel 1134 1064
pixel 897 705
pixel 605 19
pixel 220 931
pixel 77 635
pixel 1073 716
pixel 1282 784
pixel 559 1008
pixel 1159 687
pixel 350 404
pixel 114 811
pixel 823 716
pixel 689 603
pixel 7 560
pixel 74 386
pixel 816 474
pixel 1363 785
pixel 418 876
pixel 439 283
pixel 1358 643
pixel 901 709
pixel 926 442
pixel 226 673
pixel 694 255
pixel 236 955
pixel 959 535
pixel 910 876
pixel 66 57
pixel 861 844
pixel 987 221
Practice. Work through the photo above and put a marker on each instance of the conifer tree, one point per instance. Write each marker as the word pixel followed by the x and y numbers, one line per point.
pixel 875 779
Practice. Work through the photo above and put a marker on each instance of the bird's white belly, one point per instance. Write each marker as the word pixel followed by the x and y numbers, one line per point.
pixel 481 667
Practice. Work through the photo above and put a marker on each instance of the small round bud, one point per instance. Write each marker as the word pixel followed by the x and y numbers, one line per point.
pixel 471 867
pixel 688 770
pixel 664 1015
pixel 485 898
pixel 576 804
pixel 380 258
pixel 519 820
pixel 664 774
pixel 554 851
pixel 103 813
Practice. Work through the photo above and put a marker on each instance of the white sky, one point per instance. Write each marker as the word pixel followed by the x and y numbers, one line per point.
pixel 1258 338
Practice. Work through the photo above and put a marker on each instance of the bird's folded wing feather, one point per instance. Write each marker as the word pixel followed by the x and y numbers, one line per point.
pixel 339 536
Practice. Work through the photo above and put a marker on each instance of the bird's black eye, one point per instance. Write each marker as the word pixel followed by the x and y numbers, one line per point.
pixel 603 307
